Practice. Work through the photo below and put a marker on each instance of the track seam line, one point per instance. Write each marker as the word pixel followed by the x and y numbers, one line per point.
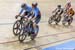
pixel 49 43
pixel 38 37
pixel 13 23
pixel 56 34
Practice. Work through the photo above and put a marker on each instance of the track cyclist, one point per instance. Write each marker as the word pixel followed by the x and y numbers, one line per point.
pixel 69 9
pixel 36 17
pixel 68 13
pixel 57 14
pixel 58 10
pixel 25 10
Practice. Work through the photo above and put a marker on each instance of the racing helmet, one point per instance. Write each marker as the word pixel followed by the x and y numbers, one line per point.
pixel 34 4
pixel 23 5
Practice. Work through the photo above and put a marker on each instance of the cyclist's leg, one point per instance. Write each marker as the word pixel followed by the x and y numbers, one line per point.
pixel 26 13
pixel 37 20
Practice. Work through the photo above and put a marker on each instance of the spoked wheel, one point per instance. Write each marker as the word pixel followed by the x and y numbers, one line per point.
pixel 22 36
pixel 35 33
pixel 17 28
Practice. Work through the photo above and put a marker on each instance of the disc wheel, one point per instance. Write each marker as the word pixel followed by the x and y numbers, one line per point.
pixel 50 20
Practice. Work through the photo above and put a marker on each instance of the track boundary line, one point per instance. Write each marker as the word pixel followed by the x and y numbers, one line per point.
pixel 13 23
pixel 57 34
pixel 39 37
pixel 49 43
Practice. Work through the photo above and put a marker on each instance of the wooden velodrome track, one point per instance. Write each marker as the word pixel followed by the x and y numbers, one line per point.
pixel 48 35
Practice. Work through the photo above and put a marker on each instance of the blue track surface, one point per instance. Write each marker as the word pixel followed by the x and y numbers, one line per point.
pixel 65 46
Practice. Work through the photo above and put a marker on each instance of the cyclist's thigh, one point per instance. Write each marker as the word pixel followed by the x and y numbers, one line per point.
pixel 37 20
pixel 26 13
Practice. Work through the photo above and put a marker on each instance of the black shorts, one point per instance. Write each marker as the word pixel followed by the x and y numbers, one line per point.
pixel 26 13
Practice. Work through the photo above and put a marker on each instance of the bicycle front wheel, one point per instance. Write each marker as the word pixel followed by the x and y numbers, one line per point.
pixel 17 28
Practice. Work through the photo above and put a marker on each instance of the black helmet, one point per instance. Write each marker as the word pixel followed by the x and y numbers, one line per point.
pixel 35 4
pixel 59 6
pixel 69 4
pixel 23 5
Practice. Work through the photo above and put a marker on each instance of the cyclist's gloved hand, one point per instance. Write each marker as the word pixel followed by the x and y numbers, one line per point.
pixel 16 16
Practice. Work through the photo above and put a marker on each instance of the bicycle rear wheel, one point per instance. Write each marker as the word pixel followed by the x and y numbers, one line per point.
pixel 50 20
pixel 34 34
pixel 70 21
pixel 58 20
pixel 22 36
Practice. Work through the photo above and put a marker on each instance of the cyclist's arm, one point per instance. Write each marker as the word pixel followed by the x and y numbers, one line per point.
pixel 54 10
pixel 20 11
